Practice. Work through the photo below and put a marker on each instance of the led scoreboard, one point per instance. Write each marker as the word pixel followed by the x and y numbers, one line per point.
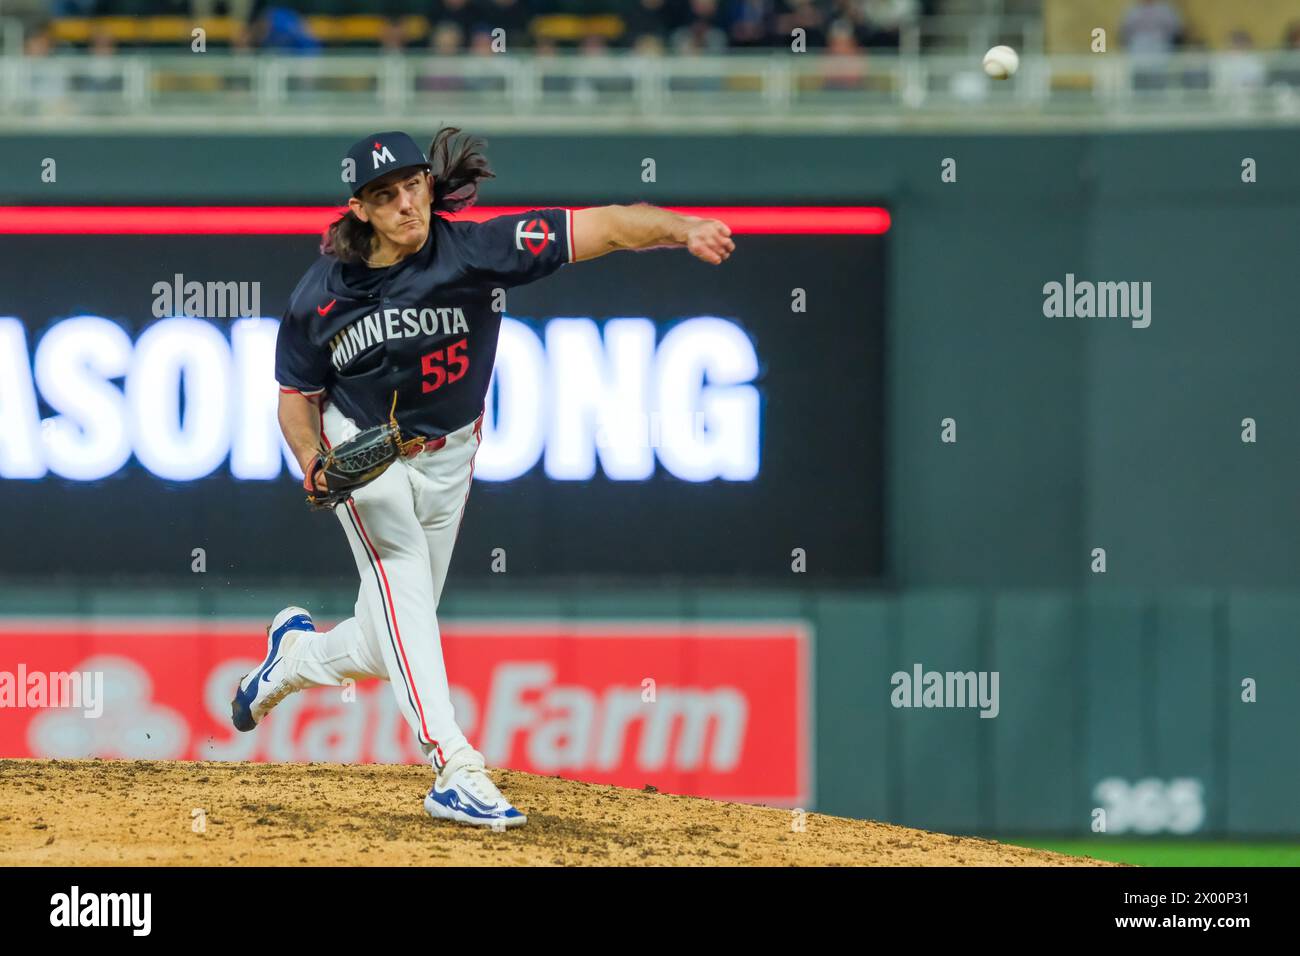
pixel 648 414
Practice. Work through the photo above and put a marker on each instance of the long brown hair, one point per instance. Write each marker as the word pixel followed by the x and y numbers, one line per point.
pixel 457 164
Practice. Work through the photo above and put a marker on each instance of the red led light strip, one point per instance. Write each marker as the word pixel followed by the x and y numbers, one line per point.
pixel 312 220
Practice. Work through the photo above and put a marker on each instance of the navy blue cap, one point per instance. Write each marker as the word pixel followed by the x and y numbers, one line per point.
pixel 382 153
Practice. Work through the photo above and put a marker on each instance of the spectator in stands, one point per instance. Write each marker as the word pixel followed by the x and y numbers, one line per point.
pixel 508 15
pixel 392 37
pixel 749 22
pixel 1244 70
pixel 649 44
pixel 1151 27
pixel 47 88
pixel 644 18
pixel 241 10
pixel 447 38
pixel 701 33
pixel 593 44
pixel 102 43
pixel 38 39
pixel 885 19
pixel 242 38
pixel 1150 31
pixel 591 88
pixel 459 12
pixel 848 13
pixel 848 66
pixel 553 84
pixel 1285 74
pixel 480 42
pixel 101 74
pixel 285 31
pixel 803 15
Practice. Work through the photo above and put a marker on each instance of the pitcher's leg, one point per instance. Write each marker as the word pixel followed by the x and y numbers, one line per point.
pixel 443 481
pixel 399 604
pixel 331 657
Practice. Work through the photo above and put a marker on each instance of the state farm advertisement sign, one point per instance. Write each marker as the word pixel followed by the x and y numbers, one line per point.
pixel 714 709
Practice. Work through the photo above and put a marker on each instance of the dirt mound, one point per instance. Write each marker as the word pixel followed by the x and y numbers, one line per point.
pixel 154 813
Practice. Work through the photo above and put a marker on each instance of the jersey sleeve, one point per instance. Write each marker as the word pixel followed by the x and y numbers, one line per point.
pixel 299 366
pixel 521 247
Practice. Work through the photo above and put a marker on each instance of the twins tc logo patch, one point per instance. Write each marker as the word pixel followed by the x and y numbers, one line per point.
pixel 378 157
pixel 532 235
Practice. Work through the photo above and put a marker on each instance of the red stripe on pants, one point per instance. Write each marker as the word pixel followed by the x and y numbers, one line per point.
pixel 392 615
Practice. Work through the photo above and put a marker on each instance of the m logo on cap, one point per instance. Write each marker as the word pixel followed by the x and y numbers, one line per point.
pixel 381 157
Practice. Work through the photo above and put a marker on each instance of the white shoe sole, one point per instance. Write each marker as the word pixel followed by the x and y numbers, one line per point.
pixel 439 812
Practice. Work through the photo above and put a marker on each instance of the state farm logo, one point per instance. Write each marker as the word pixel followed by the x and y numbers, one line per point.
pixel 689 707
pixel 532 235
pixel 530 722
pixel 567 727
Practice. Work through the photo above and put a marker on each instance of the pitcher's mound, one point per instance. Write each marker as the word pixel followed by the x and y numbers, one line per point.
pixel 157 813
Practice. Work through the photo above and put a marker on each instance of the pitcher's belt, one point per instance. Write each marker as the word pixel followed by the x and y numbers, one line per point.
pixel 418 446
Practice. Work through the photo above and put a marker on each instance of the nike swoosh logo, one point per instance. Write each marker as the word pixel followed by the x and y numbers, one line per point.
pixel 266 674
pixel 467 807
pixel 479 804
pixel 325 309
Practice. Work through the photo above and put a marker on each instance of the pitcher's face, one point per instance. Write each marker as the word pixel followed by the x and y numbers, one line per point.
pixel 398 206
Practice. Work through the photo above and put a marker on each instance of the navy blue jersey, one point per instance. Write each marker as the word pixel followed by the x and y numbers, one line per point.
pixel 423 328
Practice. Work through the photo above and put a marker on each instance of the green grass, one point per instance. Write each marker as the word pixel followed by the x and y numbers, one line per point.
pixel 1173 852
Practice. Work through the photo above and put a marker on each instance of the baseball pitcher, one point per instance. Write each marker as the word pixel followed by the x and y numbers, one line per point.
pixel 383 360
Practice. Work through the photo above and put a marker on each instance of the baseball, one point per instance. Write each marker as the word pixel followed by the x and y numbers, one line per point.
pixel 1001 62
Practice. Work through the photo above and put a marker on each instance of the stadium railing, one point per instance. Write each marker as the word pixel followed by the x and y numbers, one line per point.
pixel 778 90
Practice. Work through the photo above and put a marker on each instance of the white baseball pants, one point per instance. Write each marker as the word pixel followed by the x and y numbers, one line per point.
pixel 402 528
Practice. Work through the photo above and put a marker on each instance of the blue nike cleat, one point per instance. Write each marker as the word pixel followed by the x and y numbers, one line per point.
pixel 463 792
pixel 260 690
